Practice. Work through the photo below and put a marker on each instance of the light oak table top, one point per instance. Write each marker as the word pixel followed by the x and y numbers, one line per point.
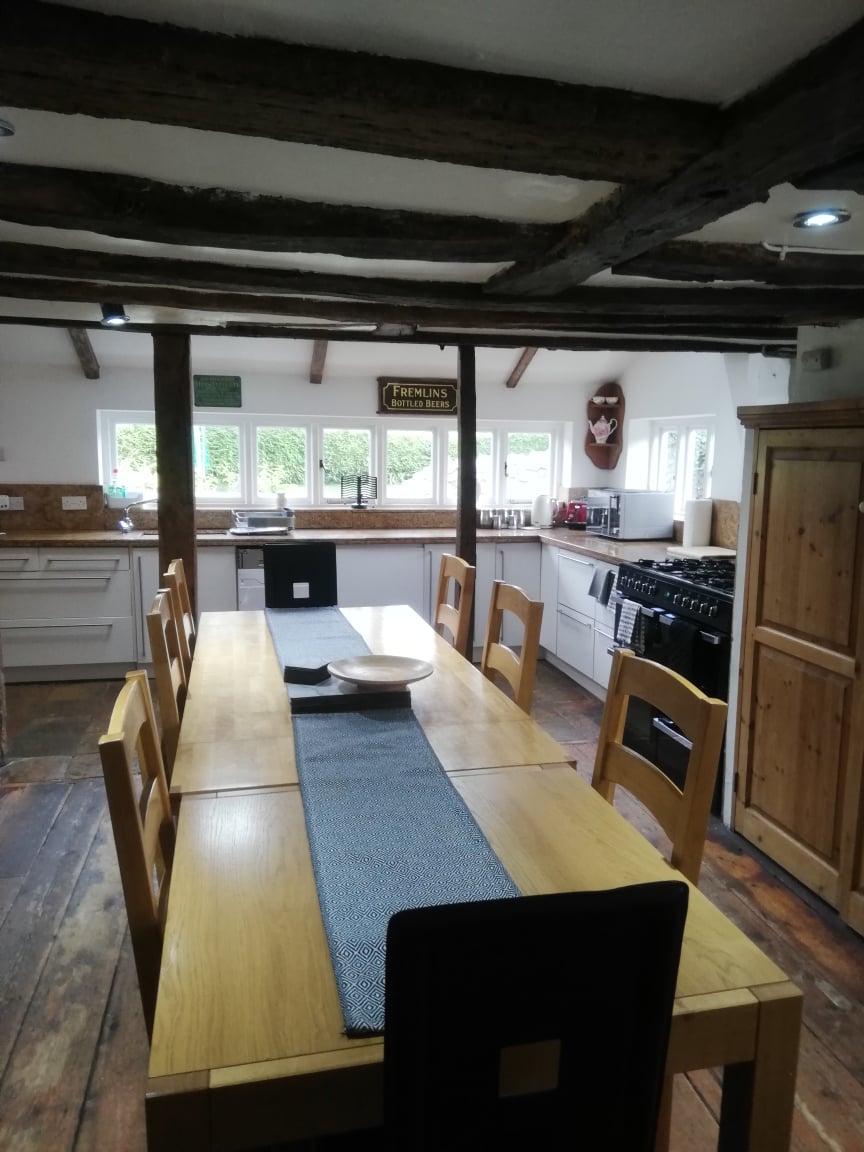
pixel 248 1046
pixel 236 730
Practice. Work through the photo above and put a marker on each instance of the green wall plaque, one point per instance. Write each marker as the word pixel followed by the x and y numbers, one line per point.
pixel 217 391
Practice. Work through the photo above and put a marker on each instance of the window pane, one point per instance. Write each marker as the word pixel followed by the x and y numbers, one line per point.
pixel 136 458
pixel 409 465
pixel 347 452
pixel 529 466
pixel 698 487
pixel 667 473
pixel 485 479
pixel 282 462
pixel 216 459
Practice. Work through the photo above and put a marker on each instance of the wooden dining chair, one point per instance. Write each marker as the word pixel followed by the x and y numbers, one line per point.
pixel 175 581
pixel 454 601
pixel 681 813
pixel 534 1022
pixel 143 827
pixel 169 673
pixel 519 669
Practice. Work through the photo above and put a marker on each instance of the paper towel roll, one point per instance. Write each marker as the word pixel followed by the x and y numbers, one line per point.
pixel 697 523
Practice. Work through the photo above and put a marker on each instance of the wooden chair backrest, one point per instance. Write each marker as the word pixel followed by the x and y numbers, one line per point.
pixel 518 670
pixel 533 1052
pixel 683 815
pixel 143 826
pixel 163 631
pixel 459 575
pixel 175 580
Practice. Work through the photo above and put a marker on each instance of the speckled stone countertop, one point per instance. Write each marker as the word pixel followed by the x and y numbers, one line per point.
pixel 586 544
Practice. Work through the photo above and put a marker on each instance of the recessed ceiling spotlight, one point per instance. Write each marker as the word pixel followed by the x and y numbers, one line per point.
pixel 113 315
pixel 6 129
pixel 822 218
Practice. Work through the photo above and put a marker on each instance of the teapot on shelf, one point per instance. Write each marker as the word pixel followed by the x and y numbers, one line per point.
pixel 602 429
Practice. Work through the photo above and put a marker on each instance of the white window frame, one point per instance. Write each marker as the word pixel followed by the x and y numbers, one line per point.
pixel 377 427
pixel 686 427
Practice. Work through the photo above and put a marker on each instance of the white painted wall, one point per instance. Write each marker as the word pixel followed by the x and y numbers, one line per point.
pixel 48 423
pixel 661 384
pixel 844 378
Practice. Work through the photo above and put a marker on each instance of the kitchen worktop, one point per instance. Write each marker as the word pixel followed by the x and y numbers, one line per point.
pixel 584 543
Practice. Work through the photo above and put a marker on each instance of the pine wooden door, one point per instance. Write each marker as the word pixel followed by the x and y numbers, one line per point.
pixel 799 790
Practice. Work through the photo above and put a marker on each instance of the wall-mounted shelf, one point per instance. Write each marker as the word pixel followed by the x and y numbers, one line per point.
pixel 606 454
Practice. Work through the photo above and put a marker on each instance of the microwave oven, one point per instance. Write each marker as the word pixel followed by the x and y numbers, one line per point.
pixel 630 514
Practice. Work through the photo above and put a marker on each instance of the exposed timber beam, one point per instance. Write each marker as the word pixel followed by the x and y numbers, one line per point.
pixel 69 60
pixel 84 351
pixel 691 260
pixel 138 209
pixel 803 120
pixel 584 306
pixel 775 342
pixel 521 364
pixel 319 355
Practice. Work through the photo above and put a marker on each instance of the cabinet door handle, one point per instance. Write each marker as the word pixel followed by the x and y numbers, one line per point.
pixel 578 560
pixel 12 626
pixel 576 619
pixel 665 726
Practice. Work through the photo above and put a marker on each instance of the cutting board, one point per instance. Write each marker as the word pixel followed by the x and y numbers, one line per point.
pixel 707 552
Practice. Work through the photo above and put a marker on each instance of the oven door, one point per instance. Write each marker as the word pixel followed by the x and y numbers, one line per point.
pixel 699 655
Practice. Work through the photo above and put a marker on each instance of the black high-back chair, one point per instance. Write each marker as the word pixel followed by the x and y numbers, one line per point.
pixel 536 1022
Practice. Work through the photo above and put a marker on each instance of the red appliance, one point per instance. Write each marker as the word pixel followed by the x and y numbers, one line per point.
pixel 577 515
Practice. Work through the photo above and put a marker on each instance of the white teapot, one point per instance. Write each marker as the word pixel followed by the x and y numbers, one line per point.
pixel 602 429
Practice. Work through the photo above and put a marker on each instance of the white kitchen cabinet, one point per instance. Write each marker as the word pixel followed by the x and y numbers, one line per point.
pixel 585 628
pixel 575 574
pixel 378 574
pixel 216 589
pixel 549 596
pixel 576 640
pixel 66 607
pixel 517 564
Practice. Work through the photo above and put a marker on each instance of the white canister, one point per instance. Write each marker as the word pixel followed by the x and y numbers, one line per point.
pixel 697 523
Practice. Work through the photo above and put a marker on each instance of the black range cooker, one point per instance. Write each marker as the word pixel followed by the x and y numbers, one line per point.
pixel 677 612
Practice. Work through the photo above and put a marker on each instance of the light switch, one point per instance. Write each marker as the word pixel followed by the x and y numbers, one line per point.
pixel 73 503
pixel 300 591
pixel 4 503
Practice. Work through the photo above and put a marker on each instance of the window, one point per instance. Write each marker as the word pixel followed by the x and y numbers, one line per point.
pixel 682 457
pixel 282 463
pixel 246 459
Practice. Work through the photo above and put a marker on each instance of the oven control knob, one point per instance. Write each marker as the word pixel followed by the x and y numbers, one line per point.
pixel 676 599
pixel 712 609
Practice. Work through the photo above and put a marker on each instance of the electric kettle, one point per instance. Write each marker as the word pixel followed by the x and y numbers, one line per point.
pixel 543 511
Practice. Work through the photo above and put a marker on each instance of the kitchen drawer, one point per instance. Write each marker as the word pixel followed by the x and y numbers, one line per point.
pixel 603 642
pixel 92 593
pixel 575 574
pixel 47 643
pixel 57 561
pixel 16 560
pixel 575 641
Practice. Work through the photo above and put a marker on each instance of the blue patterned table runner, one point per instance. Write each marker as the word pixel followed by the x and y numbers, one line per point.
pixel 387 830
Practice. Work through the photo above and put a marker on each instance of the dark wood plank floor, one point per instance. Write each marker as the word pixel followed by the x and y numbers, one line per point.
pixel 73 1050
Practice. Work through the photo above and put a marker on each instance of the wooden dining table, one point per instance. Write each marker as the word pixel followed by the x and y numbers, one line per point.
pixel 249 1045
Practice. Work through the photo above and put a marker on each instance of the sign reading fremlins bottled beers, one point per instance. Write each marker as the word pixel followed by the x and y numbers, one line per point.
pixel 416 396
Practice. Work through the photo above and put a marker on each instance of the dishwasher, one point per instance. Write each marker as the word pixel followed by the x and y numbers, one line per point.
pixel 250 579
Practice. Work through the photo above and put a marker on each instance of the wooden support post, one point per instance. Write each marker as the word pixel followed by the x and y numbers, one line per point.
pixel 466 496
pixel 172 393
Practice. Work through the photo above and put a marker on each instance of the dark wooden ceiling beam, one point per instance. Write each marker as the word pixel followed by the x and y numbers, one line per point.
pixel 69 60
pixel 319 355
pixel 138 209
pixel 691 260
pixel 807 118
pixel 787 306
pixel 84 351
pixel 521 365
pixel 772 345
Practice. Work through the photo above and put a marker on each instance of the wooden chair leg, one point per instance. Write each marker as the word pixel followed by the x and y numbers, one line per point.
pixel 664 1121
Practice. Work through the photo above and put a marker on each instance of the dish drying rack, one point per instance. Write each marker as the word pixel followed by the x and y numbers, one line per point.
pixel 258 522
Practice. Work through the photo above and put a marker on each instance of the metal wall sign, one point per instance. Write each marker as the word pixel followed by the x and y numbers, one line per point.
pixel 217 391
pixel 415 395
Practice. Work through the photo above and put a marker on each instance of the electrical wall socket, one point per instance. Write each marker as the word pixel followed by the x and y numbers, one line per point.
pixel 16 503
pixel 73 503
pixel 4 503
